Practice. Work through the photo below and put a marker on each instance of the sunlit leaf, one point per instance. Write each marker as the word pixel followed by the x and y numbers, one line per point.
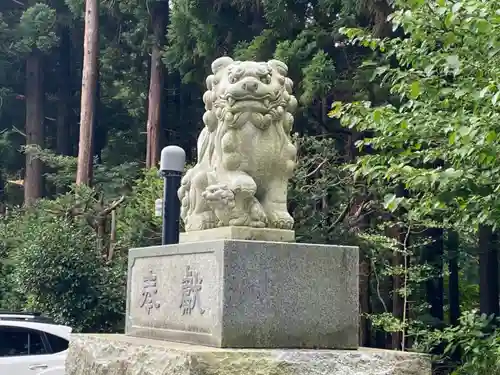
pixel 415 90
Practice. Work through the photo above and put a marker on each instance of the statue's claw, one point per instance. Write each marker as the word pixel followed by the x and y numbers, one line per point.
pixel 280 220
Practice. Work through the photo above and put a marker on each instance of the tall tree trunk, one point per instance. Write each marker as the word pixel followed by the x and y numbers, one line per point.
pixel 365 262
pixel 488 271
pixel 33 180
pixel 98 132
pixel 434 287
pixel 63 138
pixel 2 193
pixel 379 11
pixel 100 128
pixel 160 18
pixel 364 302
pixel 397 299
pixel 453 283
pixel 64 143
pixel 398 280
pixel 89 85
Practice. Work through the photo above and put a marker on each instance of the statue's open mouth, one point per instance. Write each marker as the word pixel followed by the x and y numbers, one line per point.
pixel 249 102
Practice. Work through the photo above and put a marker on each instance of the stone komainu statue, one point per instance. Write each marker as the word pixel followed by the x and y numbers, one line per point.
pixel 245 152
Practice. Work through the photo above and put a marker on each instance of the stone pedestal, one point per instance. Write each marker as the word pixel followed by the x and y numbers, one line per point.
pixel 245 294
pixel 239 233
pixel 125 355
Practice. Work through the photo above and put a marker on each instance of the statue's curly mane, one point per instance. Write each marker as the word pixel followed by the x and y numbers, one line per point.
pixel 244 101
pixel 219 116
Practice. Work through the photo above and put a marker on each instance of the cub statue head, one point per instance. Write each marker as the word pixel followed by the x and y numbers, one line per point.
pixel 246 91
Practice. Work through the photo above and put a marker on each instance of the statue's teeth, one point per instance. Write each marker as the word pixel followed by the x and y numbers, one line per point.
pixel 266 102
pixel 231 101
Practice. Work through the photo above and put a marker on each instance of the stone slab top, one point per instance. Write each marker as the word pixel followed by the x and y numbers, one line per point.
pixel 182 347
pixel 239 233
pixel 107 354
pixel 158 250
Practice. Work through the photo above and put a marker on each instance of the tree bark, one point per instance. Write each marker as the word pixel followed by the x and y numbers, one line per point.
pixel 160 17
pixel 89 85
pixel 62 137
pixel 434 287
pixel 453 283
pixel 488 271
pixel 364 302
pixel 2 193
pixel 397 300
pixel 398 281
pixel 98 132
pixel 33 179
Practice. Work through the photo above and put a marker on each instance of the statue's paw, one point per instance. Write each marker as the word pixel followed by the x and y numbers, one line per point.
pixel 205 220
pixel 242 219
pixel 280 220
pixel 257 224
pixel 239 221
pixel 257 215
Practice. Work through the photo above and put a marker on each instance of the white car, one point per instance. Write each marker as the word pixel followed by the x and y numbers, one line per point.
pixel 31 344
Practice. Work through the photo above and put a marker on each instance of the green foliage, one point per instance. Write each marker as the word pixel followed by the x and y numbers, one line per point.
pixel 7 297
pixel 381 251
pixel 37 29
pixel 319 77
pixel 320 192
pixel 4 32
pixel 436 138
pixel 33 29
pixel 475 339
pixel 258 49
pixel 439 139
pixel 58 269
pixel 198 34
pixel 108 178
pixel 431 126
pixel 312 68
pixel 6 149
pixel 302 34
pixel 138 225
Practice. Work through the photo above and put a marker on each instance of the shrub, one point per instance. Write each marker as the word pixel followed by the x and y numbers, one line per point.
pixel 474 340
pixel 57 268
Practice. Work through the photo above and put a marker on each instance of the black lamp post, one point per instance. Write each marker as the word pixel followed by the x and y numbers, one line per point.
pixel 172 161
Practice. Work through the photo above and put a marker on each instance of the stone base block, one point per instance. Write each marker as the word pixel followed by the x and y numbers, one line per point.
pixel 245 294
pixel 239 233
pixel 125 355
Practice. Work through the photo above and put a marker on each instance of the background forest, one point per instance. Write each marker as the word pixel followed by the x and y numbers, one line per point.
pixel 398 134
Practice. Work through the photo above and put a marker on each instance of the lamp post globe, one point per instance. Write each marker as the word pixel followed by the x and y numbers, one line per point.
pixel 159 207
pixel 172 158
pixel 172 161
